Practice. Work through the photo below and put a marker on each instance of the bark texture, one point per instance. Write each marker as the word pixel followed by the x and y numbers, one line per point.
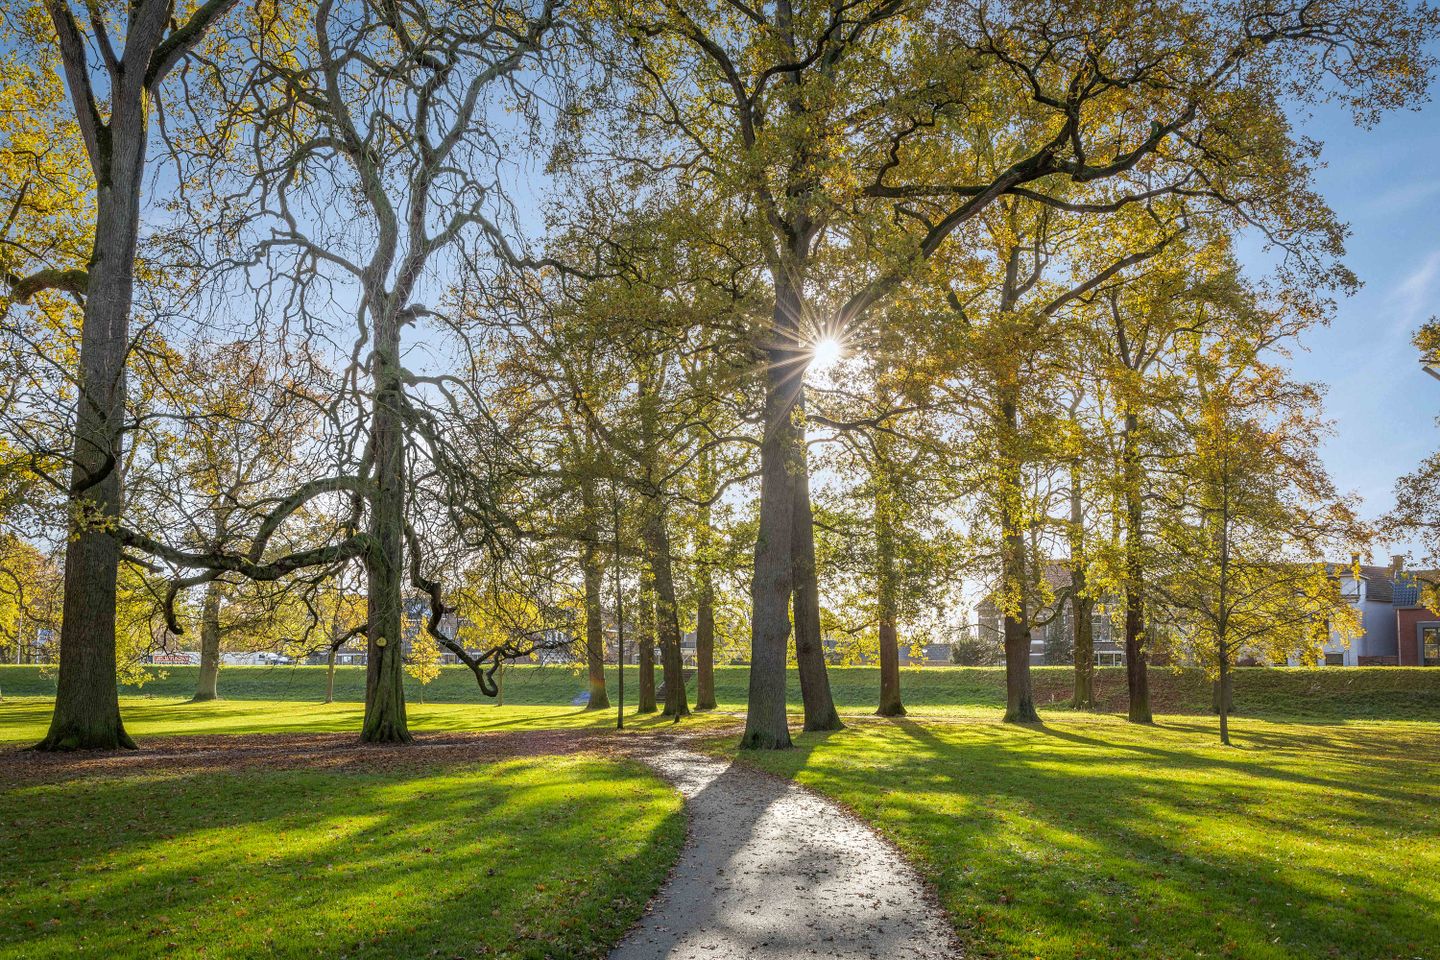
pixel 1137 676
pixel 594 625
pixel 645 645
pixel 667 615
pixel 1081 606
pixel 820 713
pixel 887 577
pixel 87 698
pixel 773 583
pixel 207 686
pixel 385 720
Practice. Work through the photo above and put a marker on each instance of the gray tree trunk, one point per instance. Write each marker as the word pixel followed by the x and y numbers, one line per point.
pixel 667 617
pixel 87 698
pixel 1081 606
pixel 385 720
pixel 886 595
pixel 594 624
pixel 820 713
pixel 1019 691
pixel 766 726
pixel 206 687
pixel 1137 675
pixel 704 596
pixel 645 644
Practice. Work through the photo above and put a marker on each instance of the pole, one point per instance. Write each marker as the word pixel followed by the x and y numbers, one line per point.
pixel 619 614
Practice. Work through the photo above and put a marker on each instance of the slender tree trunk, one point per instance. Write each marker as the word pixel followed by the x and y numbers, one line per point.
pixel 205 689
pixel 1136 673
pixel 1019 691
pixel 1224 693
pixel 1081 606
pixel 820 713
pixel 594 625
pixel 705 645
pixel 385 720
pixel 887 594
pixel 667 615
pixel 330 676
pixel 645 644
pixel 87 698
pixel 766 725
pixel 705 595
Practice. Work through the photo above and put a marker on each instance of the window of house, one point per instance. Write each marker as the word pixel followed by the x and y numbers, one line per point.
pixel 1334 659
pixel 1430 645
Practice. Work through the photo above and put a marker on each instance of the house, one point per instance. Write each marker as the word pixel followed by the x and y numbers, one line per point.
pixel 1398 631
pixel 1052 638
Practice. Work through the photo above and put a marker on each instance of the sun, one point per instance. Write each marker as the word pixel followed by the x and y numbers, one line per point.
pixel 825 354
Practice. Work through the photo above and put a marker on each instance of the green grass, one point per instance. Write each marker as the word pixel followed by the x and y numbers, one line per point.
pixel 25 719
pixel 530 858
pixel 1089 837
pixel 1302 694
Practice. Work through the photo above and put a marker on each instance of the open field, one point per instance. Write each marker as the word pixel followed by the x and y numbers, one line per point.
pixel 1321 694
pixel 1084 837
pixel 1089 837
pixel 390 855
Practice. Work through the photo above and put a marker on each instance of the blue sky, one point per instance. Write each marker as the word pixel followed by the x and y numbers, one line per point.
pixel 1384 182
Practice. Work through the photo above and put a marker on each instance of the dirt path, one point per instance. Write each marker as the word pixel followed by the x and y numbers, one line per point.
pixel 772 872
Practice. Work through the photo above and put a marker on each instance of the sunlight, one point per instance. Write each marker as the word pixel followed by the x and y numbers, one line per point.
pixel 825 354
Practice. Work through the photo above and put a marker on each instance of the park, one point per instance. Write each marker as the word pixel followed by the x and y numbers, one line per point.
pixel 719 480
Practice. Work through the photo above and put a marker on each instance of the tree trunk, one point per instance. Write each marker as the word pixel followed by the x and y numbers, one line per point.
pixel 1224 696
pixel 1019 692
pixel 594 625
pixel 667 615
pixel 1136 675
pixel 705 644
pixel 1081 606
pixel 704 595
pixel 1083 610
pixel 766 725
pixel 820 713
pixel 645 644
pixel 87 698
pixel 205 689
pixel 385 720
pixel 330 676
pixel 886 594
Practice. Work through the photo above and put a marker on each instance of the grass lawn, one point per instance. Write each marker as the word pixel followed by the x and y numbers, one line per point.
pixel 1326 693
pixel 525 858
pixel 1092 838
pixel 25 719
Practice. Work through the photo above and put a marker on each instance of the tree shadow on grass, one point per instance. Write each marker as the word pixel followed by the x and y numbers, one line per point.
pixel 536 857
pixel 1046 842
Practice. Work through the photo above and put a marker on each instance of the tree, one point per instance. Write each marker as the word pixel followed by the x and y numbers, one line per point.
pixel 851 123
pixel 1417 495
pixel 1248 520
pixel 112 104
pixel 423 664
pixel 385 105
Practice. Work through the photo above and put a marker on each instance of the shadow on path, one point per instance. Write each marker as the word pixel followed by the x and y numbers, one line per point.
pixel 771 871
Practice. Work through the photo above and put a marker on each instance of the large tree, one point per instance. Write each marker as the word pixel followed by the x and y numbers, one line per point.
pixel 849 123
pixel 138 45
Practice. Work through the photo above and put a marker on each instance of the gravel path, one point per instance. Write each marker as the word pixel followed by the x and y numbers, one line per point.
pixel 772 872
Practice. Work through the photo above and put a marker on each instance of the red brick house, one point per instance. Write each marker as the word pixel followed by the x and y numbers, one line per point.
pixel 1417 629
